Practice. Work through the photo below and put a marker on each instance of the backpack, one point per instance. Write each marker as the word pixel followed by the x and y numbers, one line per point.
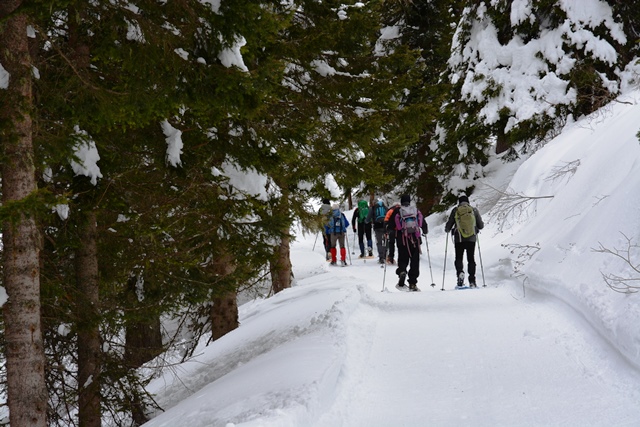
pixel 363 210
pixel 337 226
pixel 465 221
pixel 409 219
pixel 380 213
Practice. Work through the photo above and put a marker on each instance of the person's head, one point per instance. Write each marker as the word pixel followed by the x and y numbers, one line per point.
pixel 335 206
pixel 405 200
pixel 462 199
pixel 326 201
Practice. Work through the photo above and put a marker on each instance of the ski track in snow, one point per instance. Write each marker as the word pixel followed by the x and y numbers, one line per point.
pixel 489 351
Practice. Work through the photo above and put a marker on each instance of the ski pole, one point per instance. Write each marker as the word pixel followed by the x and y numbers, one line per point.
pixel 384 276
pixel 444 270
pixel 315 241
pixel 346 236
pixel 484 284
pixel 426 241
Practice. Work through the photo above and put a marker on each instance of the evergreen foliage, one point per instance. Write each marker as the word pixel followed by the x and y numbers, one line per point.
pixel 508 103
pixel 380 95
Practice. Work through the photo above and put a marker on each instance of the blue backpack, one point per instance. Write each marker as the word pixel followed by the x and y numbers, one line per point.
pixel 379 213
pixel 337 226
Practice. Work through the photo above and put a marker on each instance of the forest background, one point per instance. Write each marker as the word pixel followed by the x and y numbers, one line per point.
pixel 130 129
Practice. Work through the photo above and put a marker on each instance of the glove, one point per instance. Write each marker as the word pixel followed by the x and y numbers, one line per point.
pixel 354 230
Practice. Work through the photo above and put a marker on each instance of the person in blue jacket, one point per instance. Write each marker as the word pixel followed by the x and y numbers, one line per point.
pixel 337 228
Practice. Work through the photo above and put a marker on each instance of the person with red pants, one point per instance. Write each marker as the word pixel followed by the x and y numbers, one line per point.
pixel 337 228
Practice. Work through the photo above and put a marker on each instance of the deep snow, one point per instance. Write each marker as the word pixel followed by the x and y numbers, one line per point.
pixel 546 343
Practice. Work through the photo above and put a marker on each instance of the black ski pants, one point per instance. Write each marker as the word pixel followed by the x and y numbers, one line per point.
pixel 408 256
pixel 364 230
pixel 392 244
pixel 327 241
pixel 470 248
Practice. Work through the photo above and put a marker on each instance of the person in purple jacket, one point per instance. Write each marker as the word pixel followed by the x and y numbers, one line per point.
pixel 410 224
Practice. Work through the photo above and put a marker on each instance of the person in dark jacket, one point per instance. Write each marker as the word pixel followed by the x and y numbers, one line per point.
pixel 408 242
pixel 325 214
pixel 376 217
pixel 464 244
pixel 361 219
pixel 390 228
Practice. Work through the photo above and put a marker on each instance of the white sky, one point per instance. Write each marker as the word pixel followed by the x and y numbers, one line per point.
pixel 561 350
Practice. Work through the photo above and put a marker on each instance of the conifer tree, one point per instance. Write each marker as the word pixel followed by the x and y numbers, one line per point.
pixel 114 72
pixel 519 70
pixel 21 237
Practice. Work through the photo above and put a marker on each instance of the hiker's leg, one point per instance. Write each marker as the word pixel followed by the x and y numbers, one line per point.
pixel 471 262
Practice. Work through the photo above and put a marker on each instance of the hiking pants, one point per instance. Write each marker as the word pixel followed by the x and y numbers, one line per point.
pixel 326 237
pixel 409 255
pixel 470 248
pixel 338 238
pixel 392 244
pixel 362 230
pixel 380 243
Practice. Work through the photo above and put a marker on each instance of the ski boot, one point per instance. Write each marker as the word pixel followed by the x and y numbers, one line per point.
pixel 460 280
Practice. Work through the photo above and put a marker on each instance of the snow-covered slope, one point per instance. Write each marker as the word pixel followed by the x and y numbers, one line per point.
pixel 546 343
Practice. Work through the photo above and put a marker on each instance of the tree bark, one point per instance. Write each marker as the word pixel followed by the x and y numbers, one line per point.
pixel 88 305
pixel 143 339
pixel 27 393
pixel 224 315
pixel 224 311
pixel 281 270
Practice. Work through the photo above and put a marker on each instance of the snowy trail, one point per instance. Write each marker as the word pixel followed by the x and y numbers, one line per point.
pixel 490 360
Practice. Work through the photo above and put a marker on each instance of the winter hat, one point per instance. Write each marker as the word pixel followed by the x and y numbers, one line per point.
pixel 463 199
pixel 326 201
pixel 405 200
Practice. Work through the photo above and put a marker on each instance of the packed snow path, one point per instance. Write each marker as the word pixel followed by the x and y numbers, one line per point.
pixel 336 351
pixel 475 358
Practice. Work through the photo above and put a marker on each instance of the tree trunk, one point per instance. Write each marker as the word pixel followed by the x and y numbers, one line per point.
pixel 502 144
pixel 224 312
pixel 143 342
pixel 27 393
pixel 143 338
pixel 430 190
pixel 88 306
pixel 281 271
pixel 224 315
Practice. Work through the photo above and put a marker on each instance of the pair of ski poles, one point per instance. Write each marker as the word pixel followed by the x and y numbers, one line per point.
pixel 444 270
pixel 426 241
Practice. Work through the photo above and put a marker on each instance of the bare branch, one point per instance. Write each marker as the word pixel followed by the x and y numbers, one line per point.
pixel 569 168
pixel 511 206
pixel 629 284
